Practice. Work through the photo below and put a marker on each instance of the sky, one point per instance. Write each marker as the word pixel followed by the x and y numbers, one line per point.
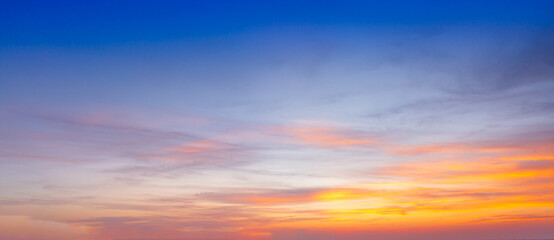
pixel 276 120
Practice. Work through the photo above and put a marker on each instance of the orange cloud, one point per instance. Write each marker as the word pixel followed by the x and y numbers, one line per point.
pixel 327 137
pixel 201 150
pixel 446 148
pixel 458 191
pixel 200 147
pixel 23 227
pixel 276 197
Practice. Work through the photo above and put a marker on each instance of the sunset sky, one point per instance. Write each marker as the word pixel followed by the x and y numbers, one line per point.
pixel 276 120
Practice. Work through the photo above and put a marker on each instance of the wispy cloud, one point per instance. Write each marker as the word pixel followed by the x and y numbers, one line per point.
pixel 102 138
pixel 327 137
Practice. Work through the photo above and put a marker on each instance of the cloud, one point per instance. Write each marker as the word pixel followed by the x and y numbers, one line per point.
pixel 79 139
pixel 291 196
pixel 26 228
pixel 537 229
pixel 326 137
pixel 515 217
pixel 450 147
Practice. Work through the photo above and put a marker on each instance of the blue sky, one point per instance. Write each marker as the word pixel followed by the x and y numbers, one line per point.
pixel 68 23
pixel 276 120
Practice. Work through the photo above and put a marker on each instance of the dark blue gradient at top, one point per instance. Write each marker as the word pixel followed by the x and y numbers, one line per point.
pixel 61 23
